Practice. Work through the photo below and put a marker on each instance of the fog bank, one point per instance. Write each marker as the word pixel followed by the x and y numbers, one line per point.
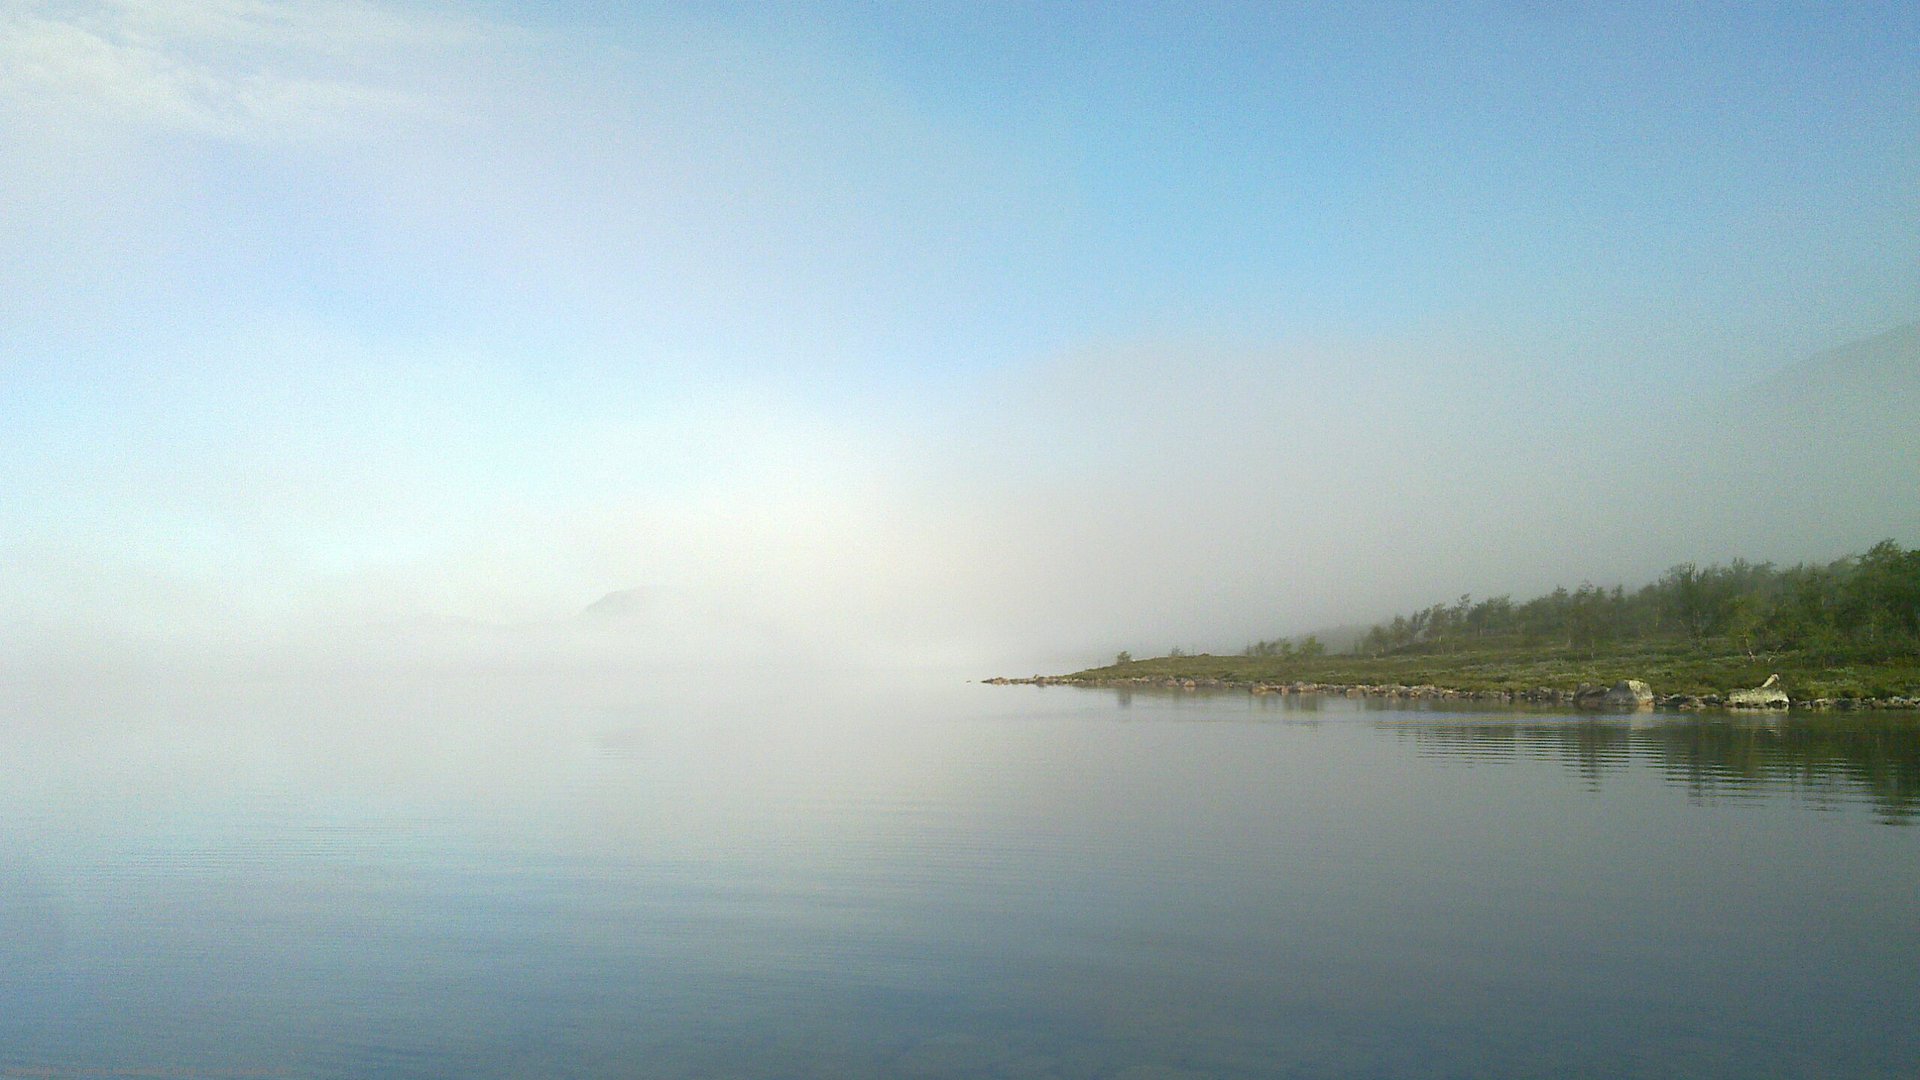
pixel 353 341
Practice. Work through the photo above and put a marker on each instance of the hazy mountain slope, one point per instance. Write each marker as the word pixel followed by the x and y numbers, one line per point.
pixel 1874 373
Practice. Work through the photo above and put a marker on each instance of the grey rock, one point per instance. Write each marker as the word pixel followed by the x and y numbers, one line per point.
pixel 1589 696
pixel 1629 694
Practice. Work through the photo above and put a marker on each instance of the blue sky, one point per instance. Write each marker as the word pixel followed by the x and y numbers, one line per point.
pixel 325 311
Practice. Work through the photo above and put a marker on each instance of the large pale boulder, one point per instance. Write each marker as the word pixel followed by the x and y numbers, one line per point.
pixel 1767 695
pixel 1625 694
pixel 1629 694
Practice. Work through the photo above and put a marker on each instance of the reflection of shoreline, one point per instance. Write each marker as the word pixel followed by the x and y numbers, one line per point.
pixel 1713 757
pixel 1847 757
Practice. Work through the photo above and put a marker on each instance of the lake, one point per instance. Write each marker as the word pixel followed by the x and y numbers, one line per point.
pixel 928 878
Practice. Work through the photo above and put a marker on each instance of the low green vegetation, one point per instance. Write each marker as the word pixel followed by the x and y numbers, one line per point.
pixel 1850 628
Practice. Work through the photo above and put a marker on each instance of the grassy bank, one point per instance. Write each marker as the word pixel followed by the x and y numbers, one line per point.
pixel 1670 668
pixel 1844 631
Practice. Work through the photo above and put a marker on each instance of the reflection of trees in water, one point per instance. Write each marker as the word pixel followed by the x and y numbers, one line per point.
pixel 1832 757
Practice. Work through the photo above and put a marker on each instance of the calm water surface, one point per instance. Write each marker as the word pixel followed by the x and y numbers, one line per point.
pixel 953 881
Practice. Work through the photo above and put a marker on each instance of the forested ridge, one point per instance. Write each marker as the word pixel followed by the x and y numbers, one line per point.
pixel 1860 607
pixel 1843 630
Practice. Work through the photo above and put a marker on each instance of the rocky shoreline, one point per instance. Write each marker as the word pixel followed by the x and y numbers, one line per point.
pixel 1625 695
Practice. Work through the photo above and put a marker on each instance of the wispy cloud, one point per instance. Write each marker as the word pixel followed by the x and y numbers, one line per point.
pixel 219 69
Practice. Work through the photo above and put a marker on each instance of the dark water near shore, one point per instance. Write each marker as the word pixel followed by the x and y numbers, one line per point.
pixel 955 881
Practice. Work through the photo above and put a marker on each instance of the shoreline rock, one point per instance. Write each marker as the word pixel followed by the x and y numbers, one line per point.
pixel 1624 695
pixel 1767 695
pixel 1629 694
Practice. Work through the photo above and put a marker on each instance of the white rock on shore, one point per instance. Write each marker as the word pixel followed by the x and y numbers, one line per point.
pixel 1767 695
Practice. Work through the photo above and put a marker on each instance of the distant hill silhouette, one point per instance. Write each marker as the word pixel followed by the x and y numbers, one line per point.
pixel 622 604
pixel 1875 378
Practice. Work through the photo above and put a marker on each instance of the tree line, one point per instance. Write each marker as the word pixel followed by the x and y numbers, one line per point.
pixel 1856 607
pixel 1307 647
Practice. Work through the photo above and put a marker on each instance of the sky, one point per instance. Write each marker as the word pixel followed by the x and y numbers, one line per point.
pixel 998 336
